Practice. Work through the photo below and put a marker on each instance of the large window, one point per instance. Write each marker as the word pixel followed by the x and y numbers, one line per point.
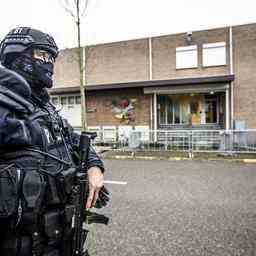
pixel 172 110
pixel 186 57
pixel 165 110
pixel 194 109
pixel 214 54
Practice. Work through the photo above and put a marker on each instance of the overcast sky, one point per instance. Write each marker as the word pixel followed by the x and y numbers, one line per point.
pixel 116 20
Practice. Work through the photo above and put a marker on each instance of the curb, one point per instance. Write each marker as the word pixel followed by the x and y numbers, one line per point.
pixel 119 157
pixel 145 158
pixel 249 161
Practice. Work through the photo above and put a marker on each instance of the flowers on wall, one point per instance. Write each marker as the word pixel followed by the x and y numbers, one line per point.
pixel 124 110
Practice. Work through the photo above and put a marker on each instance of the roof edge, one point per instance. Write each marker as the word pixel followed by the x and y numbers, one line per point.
pixel 148 83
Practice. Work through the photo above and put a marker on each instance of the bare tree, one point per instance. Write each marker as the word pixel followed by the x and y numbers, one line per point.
pixel 78 10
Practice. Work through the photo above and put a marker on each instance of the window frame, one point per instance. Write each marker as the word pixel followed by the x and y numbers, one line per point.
pixel 217 45
pixel 173 101
pixel 184 49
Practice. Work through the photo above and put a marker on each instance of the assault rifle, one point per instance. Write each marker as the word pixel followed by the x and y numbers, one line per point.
pixel 81 190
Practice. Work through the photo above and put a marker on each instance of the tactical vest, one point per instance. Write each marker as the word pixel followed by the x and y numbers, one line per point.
pixel 36 173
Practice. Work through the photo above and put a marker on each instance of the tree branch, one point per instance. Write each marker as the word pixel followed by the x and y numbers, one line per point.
pixel 85 8
pixel 77 9
pixel 68 9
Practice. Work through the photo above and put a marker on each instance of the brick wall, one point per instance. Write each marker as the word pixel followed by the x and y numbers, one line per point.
pixel 244 68
pixel 128 61
pixel 118 62
pixel 66 71
pixel 164 54
pixel 102 102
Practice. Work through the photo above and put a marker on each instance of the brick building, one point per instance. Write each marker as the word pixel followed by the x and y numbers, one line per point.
pixel 194 80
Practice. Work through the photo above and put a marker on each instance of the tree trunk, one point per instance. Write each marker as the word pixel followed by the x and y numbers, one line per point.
pixel 81 73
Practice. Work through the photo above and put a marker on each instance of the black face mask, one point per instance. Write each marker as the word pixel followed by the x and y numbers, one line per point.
pixel 37 72
pixel 43 72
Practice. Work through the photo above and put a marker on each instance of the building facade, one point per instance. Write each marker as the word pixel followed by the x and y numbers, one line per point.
pixel 194 80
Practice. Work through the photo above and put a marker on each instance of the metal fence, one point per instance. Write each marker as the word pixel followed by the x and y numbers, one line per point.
pixel 243 141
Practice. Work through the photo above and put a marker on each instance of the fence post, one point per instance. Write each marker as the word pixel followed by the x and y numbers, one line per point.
pixel 232 139
pixel 190 153
pixel 166 141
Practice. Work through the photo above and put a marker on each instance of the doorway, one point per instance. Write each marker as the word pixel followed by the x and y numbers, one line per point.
pixel 211 109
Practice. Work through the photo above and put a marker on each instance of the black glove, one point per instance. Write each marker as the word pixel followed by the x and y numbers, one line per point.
pixel 103 198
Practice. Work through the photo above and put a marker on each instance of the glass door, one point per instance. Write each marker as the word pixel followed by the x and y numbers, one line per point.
pixel 211 110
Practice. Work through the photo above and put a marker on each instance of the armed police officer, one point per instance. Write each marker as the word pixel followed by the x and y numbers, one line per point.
pixel 38 151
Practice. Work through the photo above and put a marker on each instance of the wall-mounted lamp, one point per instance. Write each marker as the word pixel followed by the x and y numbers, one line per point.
pixel 189 36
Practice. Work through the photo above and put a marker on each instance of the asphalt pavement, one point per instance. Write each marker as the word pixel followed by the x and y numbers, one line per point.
pixel 178 208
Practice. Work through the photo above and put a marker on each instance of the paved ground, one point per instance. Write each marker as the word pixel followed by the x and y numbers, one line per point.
pixel 178 208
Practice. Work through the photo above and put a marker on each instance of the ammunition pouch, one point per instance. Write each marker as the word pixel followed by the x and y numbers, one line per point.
pixel 65 182
pixel 67 237
pixel 53 227
pixel 68 214
pixel 41 187
pixel 10 244
pixel 31 201
pixel 38 203
pixel 33 188
pixel 9 191
pixel 25 246
pixel 60 186
pixel 52 253
pixel 52 195
pixel 15 244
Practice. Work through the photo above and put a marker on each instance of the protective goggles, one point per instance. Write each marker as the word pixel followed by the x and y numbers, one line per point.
pixel 43 55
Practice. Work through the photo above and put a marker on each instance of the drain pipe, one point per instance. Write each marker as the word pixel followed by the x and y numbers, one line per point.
pixel 231 65
pixel 155 117
pixel 150 78
pixel 150 58
pixel 152 116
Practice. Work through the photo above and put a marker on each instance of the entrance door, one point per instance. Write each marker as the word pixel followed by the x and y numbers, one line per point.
pixel 211 111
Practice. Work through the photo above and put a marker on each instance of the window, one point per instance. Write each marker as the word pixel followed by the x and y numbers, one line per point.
pixel 194 106
pixel 165 108
pixel 63 100
pixel 161 109
pixel 55 100
pixel 172 110
pixel 71 100
pixel 78 100
pixel 214 54
pixel 186 57
pixel 176 107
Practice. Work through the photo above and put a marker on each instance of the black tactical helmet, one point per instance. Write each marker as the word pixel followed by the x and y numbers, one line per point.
pixel 20 39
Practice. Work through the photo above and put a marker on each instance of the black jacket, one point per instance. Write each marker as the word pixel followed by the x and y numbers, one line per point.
pixel 31 130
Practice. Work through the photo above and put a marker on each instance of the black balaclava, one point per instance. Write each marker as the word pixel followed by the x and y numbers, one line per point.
pixel 37 72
